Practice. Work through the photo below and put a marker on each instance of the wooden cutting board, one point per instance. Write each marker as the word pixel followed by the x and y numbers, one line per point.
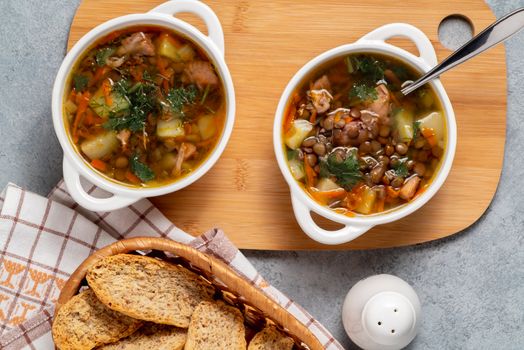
pixel 266 43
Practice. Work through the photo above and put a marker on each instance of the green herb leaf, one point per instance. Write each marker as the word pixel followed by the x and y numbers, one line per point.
pixel 346 171
pixel 291 154
pixel 103 54
pixel 401 168
pixel 80 82
pixel 146 76
pixel 180 97
pixel 142 101
pixel 362 93
pixel 369 66
pixel 400 71
pixel 416 129
pixel 142 171
pixel 349 64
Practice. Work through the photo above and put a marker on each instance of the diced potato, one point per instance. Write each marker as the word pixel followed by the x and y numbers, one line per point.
pixel 100 145
pixel 168 161
pixel 98 103
pixel 435 122
pixel 70 106
pixel 427 100
pixel 404 125
pixel 169 128
pixel 298 132
pixel 368 201
pixel 167 46
pixel 186 53
pixel 326 184
pixel 297 169
pixel 207 126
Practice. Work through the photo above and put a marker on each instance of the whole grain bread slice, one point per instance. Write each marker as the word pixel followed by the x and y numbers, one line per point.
pixel 151 336
pixel 148 289
pixel 270 338
pixel 215 325
pixel 84 323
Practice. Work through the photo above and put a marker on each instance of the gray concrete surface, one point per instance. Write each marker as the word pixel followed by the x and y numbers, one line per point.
pixel 471 285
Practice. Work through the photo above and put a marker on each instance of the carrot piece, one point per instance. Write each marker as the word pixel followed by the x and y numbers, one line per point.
pixel 325 197
pixel 99 164
pixel 106 89
pixel 290 116
pixel 89 118
pixel 311 175
pixel 99 74
pixel 137 72
pixel 132 177
pixel 72 95
pixel 429 134
pixel 313 117
pixel 391 192
pixel 82 101
pixel 348 119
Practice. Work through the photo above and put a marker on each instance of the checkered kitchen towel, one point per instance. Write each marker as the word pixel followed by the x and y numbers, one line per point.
pixel 43 240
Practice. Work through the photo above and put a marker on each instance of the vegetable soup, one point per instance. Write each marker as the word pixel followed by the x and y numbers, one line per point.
pixel 355 143
pixel 145 106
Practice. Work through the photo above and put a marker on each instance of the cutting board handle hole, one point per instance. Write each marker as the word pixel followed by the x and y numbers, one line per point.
pixel 454 31
pixel 194 20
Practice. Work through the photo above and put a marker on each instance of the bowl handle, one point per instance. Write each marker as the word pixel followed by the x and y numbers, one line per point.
pixel 77 192
pixel 308 225
pixel 388 31
pixel 200 9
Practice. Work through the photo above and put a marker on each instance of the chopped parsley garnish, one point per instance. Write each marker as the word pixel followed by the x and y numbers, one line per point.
pixel 180 97
pixel 80 82
pixel 400 71
pixel 372 68
pixel 142 171
pixel 346 171
pixel 142 101
pixel 103 54
pixel 362 93
pixel 401 168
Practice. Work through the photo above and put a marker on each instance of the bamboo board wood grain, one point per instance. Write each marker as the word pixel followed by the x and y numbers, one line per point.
pixel 266 43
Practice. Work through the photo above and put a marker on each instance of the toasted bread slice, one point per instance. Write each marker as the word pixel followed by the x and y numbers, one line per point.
pixel 270 338
pixel 215 325
pixel 151 336
pixel 148 289
pixel 84 323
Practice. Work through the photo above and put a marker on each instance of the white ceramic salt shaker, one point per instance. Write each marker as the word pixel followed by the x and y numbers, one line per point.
pixel 381 312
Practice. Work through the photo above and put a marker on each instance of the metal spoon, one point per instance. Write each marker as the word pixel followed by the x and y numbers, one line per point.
pixel 497 32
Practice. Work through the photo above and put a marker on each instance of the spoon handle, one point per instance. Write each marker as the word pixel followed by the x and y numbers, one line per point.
pixel 492 35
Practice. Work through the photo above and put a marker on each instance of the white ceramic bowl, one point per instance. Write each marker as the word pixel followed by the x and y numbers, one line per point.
pixel 373 42
pixel 75 166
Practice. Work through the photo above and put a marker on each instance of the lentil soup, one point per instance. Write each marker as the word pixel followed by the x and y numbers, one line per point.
pixel 357 145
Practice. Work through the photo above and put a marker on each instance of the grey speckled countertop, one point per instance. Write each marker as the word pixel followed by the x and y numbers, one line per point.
pixel 471 285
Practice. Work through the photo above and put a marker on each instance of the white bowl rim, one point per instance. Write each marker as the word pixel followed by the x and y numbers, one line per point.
pixel 152 19
pixel 366 46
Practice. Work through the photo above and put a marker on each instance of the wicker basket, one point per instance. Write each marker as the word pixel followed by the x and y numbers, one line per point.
pixel 258 309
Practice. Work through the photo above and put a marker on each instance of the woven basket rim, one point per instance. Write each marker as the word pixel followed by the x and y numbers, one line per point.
pixel 252 295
